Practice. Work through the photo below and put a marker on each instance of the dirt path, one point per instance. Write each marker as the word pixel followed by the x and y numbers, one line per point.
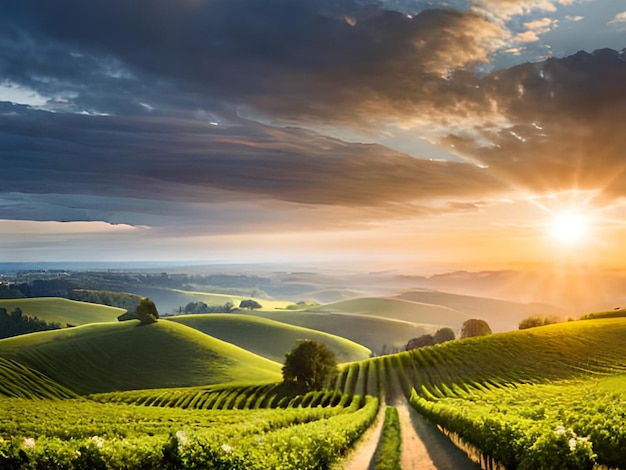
pixel 423 445
pixel 363 455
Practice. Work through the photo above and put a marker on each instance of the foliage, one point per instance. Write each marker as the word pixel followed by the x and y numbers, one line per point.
pixel 310 364
pixel 475 327
pixel 113 299
pixel 444 334
pixel 390 445
pixel 441 336
pixel 250 304
pixel 17 323
pixel 146 311
pixel 537 320
pixel 420 342
pixel 201 307
pixel 78 434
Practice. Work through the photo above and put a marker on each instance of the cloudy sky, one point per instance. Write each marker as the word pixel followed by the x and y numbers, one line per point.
pixel 462 134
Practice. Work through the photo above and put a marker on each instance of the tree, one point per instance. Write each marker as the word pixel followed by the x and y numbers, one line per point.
pixel 536 320
pixel 146 311
pixel 444 334
pixel 250 304
pixel 420 342
pixel 310 364
pixel 475 327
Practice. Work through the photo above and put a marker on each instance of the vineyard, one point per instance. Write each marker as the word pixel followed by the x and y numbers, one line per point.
pixel 552 397
pixel 549 398
pixel 84 434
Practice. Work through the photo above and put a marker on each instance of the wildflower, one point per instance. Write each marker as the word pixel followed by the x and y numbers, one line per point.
pixel 572 443
pixel 182 437
pixel 98 441
pixel 226 448
pixel 29 443
pixel 559 430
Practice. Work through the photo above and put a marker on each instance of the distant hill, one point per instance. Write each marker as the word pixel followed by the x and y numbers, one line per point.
pixel 269 338
pixel 19 381
pixel 124 356
pixel 63 311
pixel 378 334
pixel 502 315
pixel 398 309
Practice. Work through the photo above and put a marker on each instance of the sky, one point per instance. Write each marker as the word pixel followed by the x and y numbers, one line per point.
pixel 467 134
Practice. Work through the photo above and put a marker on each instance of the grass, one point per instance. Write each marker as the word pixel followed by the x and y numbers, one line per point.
pixel 502 315
pixel 64 311
pixel 390 445
pixel 374 333
pixel 18 381
pixel 397 309
pixel 269 338
pixel 220 299
pixel 124 356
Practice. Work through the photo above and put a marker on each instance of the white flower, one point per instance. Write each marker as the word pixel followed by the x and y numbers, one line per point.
pixel 98 441
pixel 29 443
pixel 572 443
pixel 559 430
pixel 226 448
pixel 182 437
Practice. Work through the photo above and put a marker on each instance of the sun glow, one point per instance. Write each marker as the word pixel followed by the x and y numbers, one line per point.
pixel 570 228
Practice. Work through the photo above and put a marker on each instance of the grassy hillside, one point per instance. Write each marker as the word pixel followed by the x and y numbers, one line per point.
pixel 63 311
pixel 269 338
pixel 18 381
pixel 502 315
pixel 398 309
pixel 376 334
pixel 124 356
pixel 564 351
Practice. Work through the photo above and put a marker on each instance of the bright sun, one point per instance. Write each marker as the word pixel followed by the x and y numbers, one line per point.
pixel 570 228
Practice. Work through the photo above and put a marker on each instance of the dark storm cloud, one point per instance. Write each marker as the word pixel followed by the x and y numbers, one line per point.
pixel 564 124
pixel 186 160
pixel 292 59
pixel 153 63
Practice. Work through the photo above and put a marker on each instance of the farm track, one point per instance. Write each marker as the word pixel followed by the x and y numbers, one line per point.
pixel 424 447
pixel 362 457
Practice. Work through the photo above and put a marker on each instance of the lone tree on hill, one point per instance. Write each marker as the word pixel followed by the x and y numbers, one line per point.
pixel 146 311
pixel 475 327
pixel 250 304
pixel 310 364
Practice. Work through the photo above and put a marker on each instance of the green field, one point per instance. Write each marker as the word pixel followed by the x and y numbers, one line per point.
pixel 220 299
pixel 63 311
pixel 397 309
pixel 376 334
pixel 502 315
pixel 268 338
pixel 18 381
pixel 125 356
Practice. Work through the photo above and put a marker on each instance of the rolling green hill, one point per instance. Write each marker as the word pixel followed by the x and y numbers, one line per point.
pixel 269 338
pixel 377 334
pixel 502 315
pixel 63 311
pixel 397 309
pixel 124 356
pixel 18 381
